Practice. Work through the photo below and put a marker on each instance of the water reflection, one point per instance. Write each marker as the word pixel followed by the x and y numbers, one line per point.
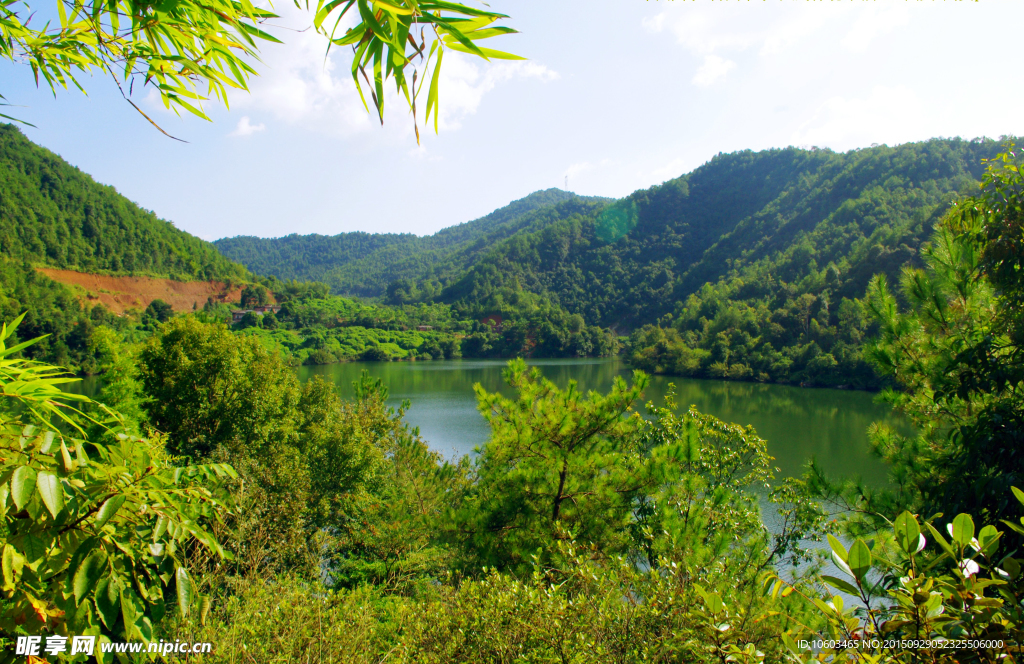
pixel 798 423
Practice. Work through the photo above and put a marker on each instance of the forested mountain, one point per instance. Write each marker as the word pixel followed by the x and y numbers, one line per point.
pixel 748 267
pixel 365 264
pixel 788 213
pixel 54 214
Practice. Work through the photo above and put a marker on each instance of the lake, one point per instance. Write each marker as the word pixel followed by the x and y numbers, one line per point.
pixel 798 423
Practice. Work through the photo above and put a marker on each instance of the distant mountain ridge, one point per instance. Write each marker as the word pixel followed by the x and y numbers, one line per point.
pixel 789 212
pixel 364 264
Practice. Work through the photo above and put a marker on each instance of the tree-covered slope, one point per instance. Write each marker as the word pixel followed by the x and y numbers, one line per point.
pixel 365 264
pixel 776 299
pixel 788 213
pixel 51 213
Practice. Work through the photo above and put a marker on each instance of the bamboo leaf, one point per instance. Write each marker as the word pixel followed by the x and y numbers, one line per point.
pixel 487 53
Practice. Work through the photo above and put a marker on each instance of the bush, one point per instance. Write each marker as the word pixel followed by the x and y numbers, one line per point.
pixel 374 354
pixel 320 356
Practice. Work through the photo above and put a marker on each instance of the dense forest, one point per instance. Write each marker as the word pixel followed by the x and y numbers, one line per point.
pixel 208 496
pixel 312 328
pixel 365 264
pixel 52 213
pixel 751 267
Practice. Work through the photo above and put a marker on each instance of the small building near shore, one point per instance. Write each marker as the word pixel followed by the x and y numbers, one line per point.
pixel 238 314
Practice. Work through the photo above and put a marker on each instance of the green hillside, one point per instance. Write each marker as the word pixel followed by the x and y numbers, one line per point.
pixel 790 212
pixel 365 264
pixel 748 267
pixel 54 214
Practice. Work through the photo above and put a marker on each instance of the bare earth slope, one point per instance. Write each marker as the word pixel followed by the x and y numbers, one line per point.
pixel 122 293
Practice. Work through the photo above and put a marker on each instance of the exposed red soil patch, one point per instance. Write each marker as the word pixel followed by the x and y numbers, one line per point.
pixel 122 293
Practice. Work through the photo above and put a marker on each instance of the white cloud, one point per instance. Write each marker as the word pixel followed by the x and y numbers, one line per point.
pixel 790 31
pixel 705 32
pixel 655 23
pixel 718 36
pixel 245 129
pixel 301 84
pixel 714 68
pixel 885 115
pixel 465 80
pixel 672 169
pixel 874 22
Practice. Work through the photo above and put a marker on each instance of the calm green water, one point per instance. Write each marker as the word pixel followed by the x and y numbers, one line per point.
pixel 798 423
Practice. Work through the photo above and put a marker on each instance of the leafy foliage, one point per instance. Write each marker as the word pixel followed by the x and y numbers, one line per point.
pixel 181 48
pixel 956 355
pixel 95 529
pixel 960 601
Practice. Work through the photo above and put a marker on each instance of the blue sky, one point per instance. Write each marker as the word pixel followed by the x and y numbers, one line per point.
pixel 616 94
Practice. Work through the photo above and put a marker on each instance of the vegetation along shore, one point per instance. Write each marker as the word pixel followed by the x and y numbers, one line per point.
pixel 206 495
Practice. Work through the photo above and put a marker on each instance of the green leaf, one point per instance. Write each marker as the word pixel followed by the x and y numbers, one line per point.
pixel 65 456
pixel 712 599
pixel 837 547
pixel 13 563
pixel 129 612
pixel 23 485
pixel 486 52
pixel 1020 494
pixel 860 559
pixel 160 528
pixel 108 601
pixel 204 609
pixel 89 573
pixel 47 443
pixel 941 540
pixel 51 491
pixel 988 539
pixel 184 588
pixel 80 454
pixel 845 586
pixel 33 546
pixel 907 532
pixel 109 509
pixel 963 529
